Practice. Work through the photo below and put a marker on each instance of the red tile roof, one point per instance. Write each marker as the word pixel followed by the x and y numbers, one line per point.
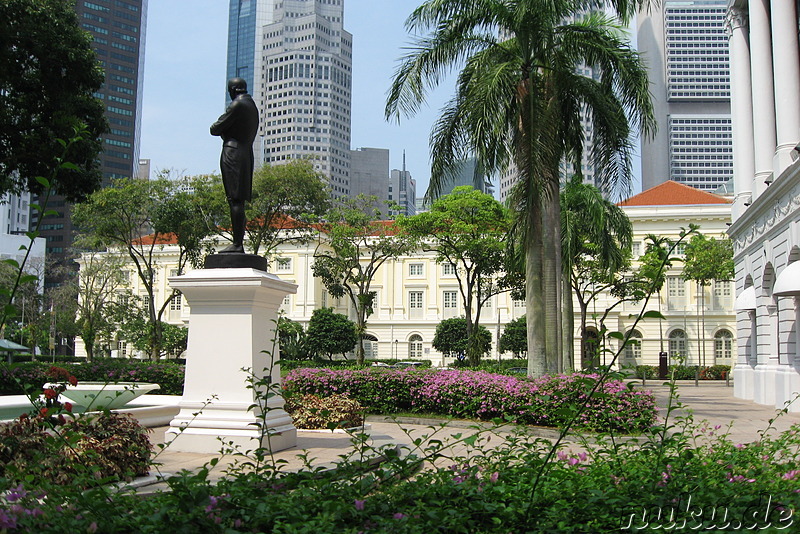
pixel 673 194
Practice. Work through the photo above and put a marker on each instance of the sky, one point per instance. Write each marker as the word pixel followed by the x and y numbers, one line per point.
pixel 184 85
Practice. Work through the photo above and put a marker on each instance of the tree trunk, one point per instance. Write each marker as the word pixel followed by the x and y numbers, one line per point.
pixel 551 277
pixel 534 302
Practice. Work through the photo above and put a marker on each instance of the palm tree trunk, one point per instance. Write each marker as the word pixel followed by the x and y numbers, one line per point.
pixel 534 301
pixel 551 277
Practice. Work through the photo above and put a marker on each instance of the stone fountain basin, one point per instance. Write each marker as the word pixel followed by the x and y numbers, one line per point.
pixel 109 396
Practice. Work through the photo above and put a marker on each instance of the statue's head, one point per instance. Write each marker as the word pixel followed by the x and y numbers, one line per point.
pixel 236 86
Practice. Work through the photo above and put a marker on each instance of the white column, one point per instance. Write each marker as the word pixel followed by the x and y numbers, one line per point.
pixel 741 110
pixel 786 65
pixel 763 94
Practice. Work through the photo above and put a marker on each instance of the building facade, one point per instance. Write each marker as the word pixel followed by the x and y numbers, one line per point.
pixel 765 68
pixel 686 51
pixel 369 175
pixel 297 60
pixel 415 293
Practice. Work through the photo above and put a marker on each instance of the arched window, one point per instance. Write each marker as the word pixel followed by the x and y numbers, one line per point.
pixel 633 350
pixel 723 345
pixel 677 346
pixel 415 346
pixel 370 346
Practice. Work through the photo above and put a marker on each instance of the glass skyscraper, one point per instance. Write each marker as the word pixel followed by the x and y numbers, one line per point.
pixel 118 28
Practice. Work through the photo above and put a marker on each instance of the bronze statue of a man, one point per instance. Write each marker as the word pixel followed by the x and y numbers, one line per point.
pixel 237 127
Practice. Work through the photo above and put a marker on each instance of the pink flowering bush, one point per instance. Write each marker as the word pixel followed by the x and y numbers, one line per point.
pixel 548 401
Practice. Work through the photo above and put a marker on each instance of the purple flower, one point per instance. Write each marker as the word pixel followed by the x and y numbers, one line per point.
pixel 399 515
pixel 359 504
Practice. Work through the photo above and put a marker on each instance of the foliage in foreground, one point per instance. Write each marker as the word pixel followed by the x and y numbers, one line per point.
pixel 501 482
pixel 108 446
pixel 548 401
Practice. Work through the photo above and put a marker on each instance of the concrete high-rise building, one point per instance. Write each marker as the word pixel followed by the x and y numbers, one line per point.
pixel 369 175
pixel 118 29
pixel 298 66
pixel 685 47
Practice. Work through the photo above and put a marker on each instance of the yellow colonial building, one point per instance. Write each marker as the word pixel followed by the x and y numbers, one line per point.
pixel 414 293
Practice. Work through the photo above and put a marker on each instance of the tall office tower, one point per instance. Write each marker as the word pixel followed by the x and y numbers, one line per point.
pixel 300 78
pixel 467 176
pixel 118 28
pixel 369 175
pixel 403 191
pixel 686 51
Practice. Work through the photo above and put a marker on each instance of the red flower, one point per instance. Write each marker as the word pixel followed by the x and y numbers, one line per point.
pixel 72 380
pixel 23 417
pixel 43 411
pixel 68 406
pixel 50 394
pixel 61 419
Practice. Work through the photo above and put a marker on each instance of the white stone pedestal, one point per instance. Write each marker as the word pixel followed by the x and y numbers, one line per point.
pixel 232 320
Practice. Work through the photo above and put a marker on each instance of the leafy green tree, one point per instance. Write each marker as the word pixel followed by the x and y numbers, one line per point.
pixel 653 265
pixel 707 260
pixel 98 284
pixel 48 76
pixel 292 340
pixel 520 97
pixel 330 333
pixel 287 199
pixel 515 337
pixel 118 217
pixel 451 338
pixel 596 240
pixel 354 244
pixel 467 229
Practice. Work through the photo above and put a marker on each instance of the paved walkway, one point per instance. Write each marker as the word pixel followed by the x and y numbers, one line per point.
pixel 713 402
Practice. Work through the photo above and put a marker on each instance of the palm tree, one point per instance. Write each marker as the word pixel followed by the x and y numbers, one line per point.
pixel 518 105
pixel 596 238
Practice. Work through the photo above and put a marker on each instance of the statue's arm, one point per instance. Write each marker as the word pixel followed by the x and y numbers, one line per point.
pixel 225 121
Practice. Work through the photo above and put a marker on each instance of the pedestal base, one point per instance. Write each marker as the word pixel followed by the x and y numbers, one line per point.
pixel 218 426
pixel 231 337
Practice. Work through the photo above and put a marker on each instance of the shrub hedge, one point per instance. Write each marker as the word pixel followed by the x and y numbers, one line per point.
pixel 684 372
pixel 168 375
pixel 549 401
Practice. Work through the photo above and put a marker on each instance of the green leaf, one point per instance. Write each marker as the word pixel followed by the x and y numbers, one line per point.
pixel 44 182
pixel 616 335
pixel 12 262
pixel 70 166
pixel 653 314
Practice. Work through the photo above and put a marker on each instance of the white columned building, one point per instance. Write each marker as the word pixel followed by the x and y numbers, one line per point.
pixel 766 218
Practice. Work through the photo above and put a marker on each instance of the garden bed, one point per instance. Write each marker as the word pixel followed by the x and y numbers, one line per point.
pixel 549 401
